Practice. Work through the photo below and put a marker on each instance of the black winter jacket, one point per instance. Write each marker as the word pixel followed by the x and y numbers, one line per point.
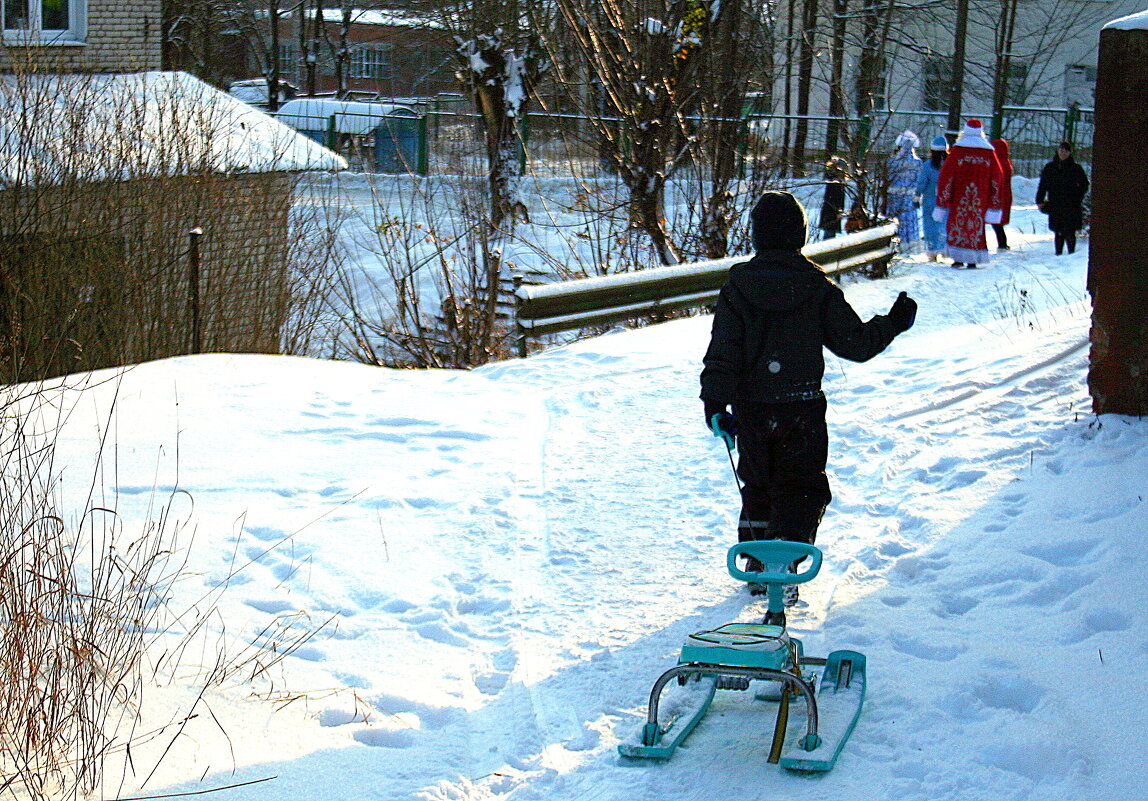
pixel 1063 184
pixel 773 316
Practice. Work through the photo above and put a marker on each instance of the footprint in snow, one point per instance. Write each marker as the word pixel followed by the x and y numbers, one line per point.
pixel 270 606
pixel 955 606
pixel 491 682
pixel 945 465
pixel 1042 763
pixel 1010 692
pixel 931 651
pixel 386 738
pixel 917 568
pixel 266 533
pixel 261 554
pixel 1095 622
pixel 1062 554
pixel 1055 590
pixel 309 653
pixel 965 478
pixel 437 632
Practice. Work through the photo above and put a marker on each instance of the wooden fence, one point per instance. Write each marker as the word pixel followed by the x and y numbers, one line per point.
pixel 570 305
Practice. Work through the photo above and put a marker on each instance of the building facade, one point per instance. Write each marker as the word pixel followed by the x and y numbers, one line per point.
pixel 389 55
pixel 81 35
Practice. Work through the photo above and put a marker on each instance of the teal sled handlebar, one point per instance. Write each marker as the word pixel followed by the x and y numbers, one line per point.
pixel 774 552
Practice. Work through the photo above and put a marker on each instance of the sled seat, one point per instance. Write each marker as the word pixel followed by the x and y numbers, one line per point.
pixel 752 645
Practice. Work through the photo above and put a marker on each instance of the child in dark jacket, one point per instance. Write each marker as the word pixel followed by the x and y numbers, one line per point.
pixel 774 315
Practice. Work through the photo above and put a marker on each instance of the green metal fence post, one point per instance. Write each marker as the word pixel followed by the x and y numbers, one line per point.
pixel 519 328
pixel 423 166
pixel 1070 120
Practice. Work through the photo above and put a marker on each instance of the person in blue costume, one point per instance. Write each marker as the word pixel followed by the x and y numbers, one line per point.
pixel 927 197
pixel 903 169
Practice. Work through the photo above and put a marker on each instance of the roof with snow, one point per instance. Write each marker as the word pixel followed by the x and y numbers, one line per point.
pixel 151 124
pixel 1133 22
pixel 347 116
pixel 382 16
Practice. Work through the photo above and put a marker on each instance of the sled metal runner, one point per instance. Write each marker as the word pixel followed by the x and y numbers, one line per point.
pixel 736 654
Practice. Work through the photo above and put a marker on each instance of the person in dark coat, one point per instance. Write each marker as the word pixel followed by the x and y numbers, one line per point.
pixel 833 201
pixel 1060 194
pixel 765 362
pixel 1001 146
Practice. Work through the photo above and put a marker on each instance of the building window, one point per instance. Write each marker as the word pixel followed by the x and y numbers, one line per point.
pixel 44 21
pixel 938 83
pixel 1080 85
pixel 1016 85
pixel 370 63
pixel 288 63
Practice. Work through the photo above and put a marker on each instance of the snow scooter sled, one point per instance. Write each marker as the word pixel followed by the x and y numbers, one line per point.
pixel 732 656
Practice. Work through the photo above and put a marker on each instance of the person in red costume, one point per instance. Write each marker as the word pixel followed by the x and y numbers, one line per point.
pixel 1002 148
pixel 969 195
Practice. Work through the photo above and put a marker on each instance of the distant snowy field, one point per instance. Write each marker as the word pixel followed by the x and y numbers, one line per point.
pixel 511 555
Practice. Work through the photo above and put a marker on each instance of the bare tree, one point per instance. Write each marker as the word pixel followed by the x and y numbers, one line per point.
pixel 740 26
pixel 499 63
pixel 806 53
pixel 642 59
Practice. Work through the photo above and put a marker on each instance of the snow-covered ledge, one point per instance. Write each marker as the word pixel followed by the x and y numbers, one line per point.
pixel 1133 22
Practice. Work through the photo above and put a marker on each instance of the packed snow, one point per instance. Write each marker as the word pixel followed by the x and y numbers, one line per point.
pixel 509 556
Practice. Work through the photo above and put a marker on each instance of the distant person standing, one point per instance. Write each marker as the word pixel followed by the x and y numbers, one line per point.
pixel 1002 149
pixel 903 169
pixel 1060 194
pixel 968 196
pixel 833 201
pixel 927 197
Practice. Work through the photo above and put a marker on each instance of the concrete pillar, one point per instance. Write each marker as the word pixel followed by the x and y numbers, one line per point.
pixel 1118 237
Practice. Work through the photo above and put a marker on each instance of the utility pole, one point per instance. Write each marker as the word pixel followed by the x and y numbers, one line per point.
pixel 958 76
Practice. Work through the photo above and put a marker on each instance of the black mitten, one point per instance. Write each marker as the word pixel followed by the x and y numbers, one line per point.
pixel 903 313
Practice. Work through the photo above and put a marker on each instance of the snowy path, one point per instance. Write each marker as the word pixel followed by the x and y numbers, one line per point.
pixel 511 555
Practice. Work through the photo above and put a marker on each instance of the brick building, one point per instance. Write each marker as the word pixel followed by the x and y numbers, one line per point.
pixel 81 35
pixel 390 55
pixel 106 171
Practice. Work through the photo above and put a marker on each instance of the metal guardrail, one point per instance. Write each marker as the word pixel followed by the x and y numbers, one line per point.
pixel 569 305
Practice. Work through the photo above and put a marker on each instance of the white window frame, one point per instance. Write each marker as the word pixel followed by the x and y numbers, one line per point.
pixel 33 33
pixel 373 63
pixel 288 60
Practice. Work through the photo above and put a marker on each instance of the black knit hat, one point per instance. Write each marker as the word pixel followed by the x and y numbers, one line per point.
pixel 778 222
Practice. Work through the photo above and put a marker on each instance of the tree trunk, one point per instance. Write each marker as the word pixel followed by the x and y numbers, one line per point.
pixel 787 136
pixel 1004 64
pixel 836 90
pixel 343 51
pixel 318 29
pixel 804 82
pixel 724 92
pixel 959 66
pixel 648 214
pixel 502 151
pixel 273 58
